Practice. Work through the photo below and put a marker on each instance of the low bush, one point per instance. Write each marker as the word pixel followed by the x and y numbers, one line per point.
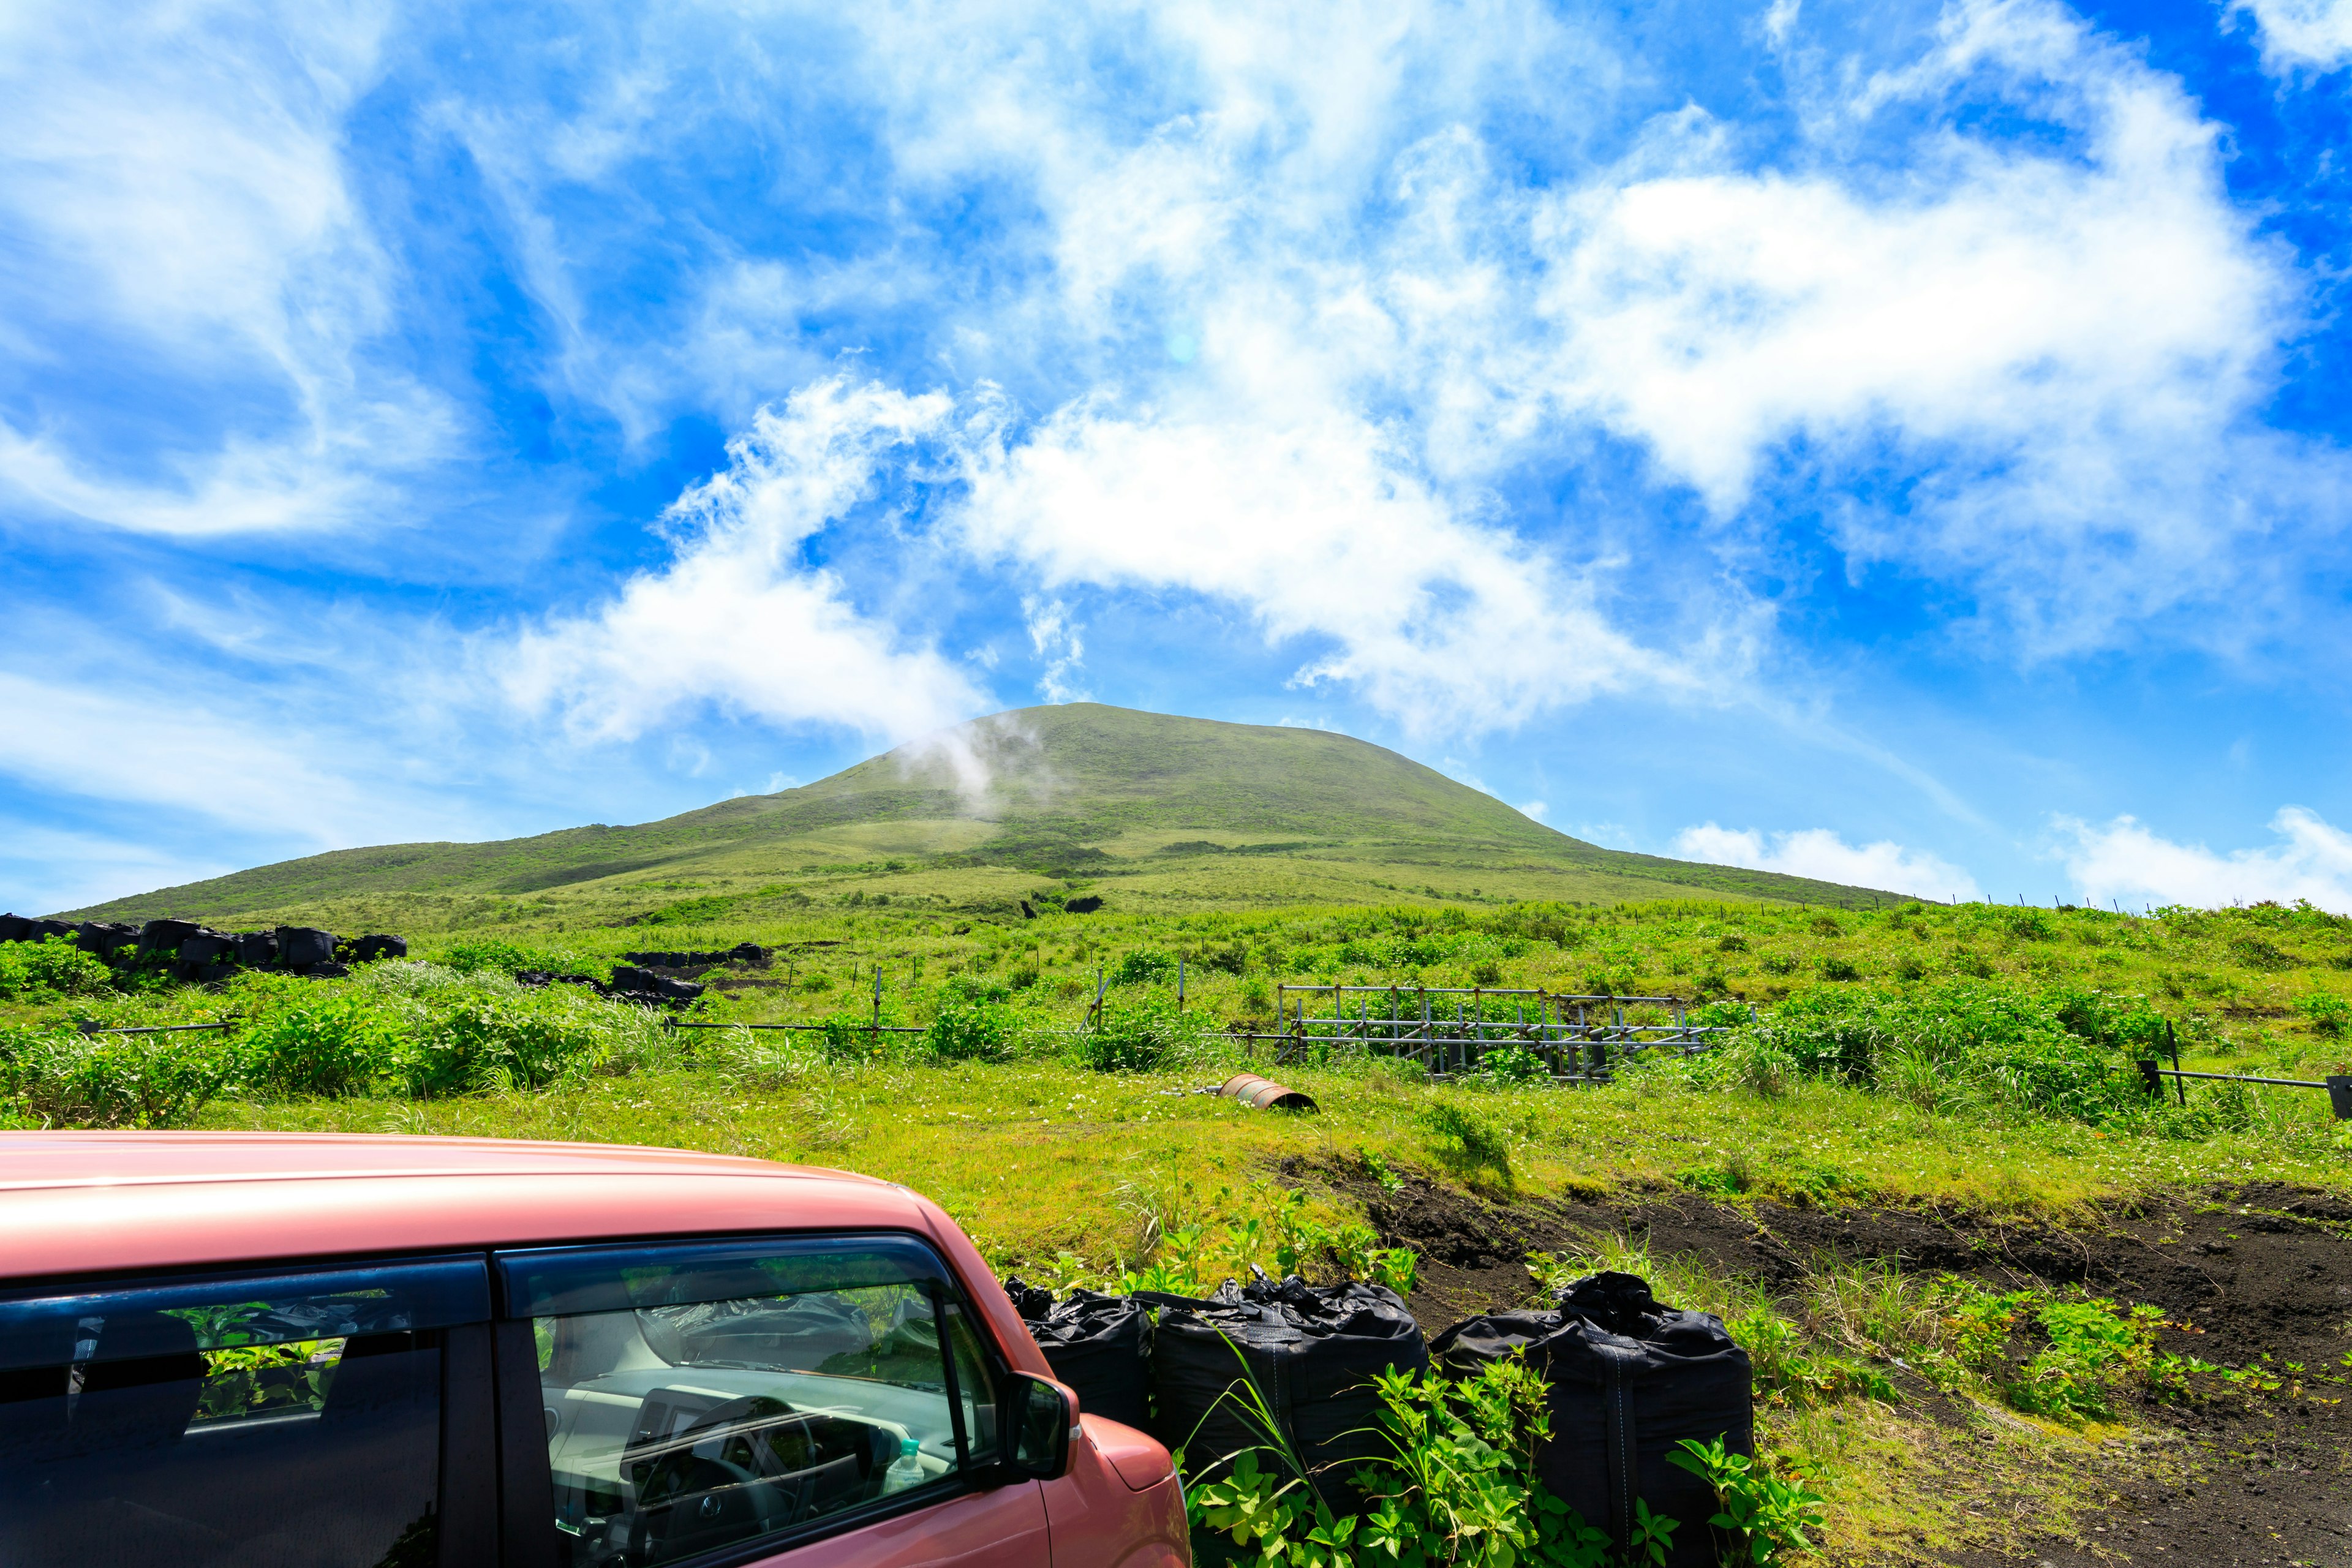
pixel 49 969
pixel 1144 966
pixel 1138 1034
pixel 59 1077
pixel 970 1022
pixel 325 1042
pixel 2330 1015
pixel 1964 1041
pixel 480 954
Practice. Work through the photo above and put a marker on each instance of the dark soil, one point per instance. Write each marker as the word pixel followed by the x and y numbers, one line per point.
pixel 2255 1272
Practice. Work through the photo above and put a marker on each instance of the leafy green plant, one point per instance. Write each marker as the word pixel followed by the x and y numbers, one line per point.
pixel 1143 966
pixel 1275 1516
pixel 318 1041
pixel 475 956
pixel 62 1079
pixel 45 971
pixel 1459 1487
pixel 1512 1065
pixel 2093 1345
pixel 1760 1517
pixel 971 1022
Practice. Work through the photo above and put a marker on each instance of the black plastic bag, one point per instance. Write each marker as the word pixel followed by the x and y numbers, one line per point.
pixel 1629 1379
pixel 1312 1350
pixel 1032 1301
pixel 1099 1345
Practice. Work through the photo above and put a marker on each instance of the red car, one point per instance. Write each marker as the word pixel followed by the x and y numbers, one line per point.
pixel 293 1351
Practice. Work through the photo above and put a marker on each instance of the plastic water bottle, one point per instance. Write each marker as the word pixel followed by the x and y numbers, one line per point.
pixel 906 1470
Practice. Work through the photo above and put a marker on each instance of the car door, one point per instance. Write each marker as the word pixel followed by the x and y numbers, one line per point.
pixel 330 1416
pixel 806 1400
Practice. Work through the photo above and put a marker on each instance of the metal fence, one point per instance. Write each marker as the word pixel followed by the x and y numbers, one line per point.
pixel 1578 1037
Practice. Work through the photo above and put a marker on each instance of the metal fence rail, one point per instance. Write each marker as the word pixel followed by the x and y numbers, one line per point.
pixel 1579 1037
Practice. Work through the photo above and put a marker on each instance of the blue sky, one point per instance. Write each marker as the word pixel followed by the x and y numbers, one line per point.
pixel 1898 442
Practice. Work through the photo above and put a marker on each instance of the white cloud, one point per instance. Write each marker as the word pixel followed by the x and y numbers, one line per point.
pixel 2059 334
pixel 1318 531
pixel 738 617
pixel 1821 854
pixel 2302 34
pixel 2128 862
pixel 1535 808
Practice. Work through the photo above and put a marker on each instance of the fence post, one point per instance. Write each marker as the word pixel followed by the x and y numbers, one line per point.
pixel 1179 982
pixel 874 1030
pixel 2339 1096
pixel 2178 1082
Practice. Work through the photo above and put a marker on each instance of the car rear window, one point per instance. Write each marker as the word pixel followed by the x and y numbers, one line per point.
pixel 734 1394
pixel 284 1421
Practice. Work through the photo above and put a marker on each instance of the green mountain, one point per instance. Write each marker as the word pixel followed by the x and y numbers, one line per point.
pixel 1144 808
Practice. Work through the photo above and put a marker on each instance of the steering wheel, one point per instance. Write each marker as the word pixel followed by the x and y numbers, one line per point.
pixel 688 1503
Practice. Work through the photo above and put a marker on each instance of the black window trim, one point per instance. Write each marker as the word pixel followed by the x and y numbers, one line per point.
pixel 528 1476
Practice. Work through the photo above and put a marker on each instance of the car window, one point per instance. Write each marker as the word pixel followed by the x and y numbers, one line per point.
pixel 290 1421
pixel 702 1397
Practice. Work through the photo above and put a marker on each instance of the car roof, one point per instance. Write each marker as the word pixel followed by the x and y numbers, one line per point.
pixel 83 1203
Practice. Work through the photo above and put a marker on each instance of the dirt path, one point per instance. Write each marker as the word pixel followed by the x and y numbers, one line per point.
pixel 2249 1477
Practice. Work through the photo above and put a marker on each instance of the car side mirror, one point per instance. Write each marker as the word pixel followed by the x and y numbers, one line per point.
pixel 1037 1421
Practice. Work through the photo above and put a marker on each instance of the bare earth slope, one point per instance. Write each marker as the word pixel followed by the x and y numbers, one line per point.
pixel 1174 808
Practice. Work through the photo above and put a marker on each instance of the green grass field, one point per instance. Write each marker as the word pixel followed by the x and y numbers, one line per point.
pixel 2029 1116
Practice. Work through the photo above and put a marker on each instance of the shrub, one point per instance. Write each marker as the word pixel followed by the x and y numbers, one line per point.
pixel 1832 967
pixel 971 1022
pixel 1512 1065
pixel 1144 966
pixel 526 1041
pixel 1990 1043
pixel 488 953
pixel 331 1043
pixel 61 1078
pixel 46 970
pixel 1138 1034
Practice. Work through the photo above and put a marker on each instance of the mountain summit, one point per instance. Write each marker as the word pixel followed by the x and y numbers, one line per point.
pixel 1148 806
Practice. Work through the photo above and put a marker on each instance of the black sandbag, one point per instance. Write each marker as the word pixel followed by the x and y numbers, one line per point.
pixel 1629 1379
pixel 165 936
pixel 1101 1346
pixel 1312 1350
pixel 300 947
pixel 1032 1301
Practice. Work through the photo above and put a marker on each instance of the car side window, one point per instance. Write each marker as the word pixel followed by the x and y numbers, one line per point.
pixel 699 1397
pixel 287 1419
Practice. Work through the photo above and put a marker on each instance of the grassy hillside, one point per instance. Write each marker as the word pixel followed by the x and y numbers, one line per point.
pixel 1148 810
